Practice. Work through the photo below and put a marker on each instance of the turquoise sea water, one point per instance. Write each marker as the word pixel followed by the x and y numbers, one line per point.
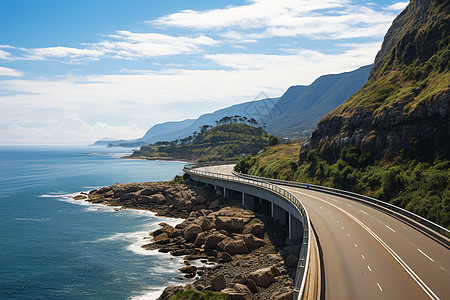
pixel 52 247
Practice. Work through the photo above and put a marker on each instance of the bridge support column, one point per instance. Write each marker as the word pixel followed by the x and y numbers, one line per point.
pixel 278 215
pixel 225 192
pixel 248 201
pixel 295 229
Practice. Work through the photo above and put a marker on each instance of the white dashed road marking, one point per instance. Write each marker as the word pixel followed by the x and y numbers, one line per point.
pixel 379 286
pixel 390 228
pixel 425 255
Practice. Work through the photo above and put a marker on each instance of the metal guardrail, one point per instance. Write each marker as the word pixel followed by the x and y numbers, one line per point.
pixel 421 220
pixel 304 256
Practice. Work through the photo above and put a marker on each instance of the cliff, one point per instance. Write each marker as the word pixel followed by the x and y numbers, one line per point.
pixel 404 107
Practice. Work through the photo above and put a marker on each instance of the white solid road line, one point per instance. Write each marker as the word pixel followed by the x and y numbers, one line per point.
pixel 425 255
pixel 413 275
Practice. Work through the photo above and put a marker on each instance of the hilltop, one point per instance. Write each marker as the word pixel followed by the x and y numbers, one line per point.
pixel 404 107
pixel 222 142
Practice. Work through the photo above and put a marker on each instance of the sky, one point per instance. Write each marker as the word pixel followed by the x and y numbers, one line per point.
pixel 75 71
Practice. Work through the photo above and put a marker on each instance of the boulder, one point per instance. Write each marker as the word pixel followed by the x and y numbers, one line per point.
pixel 229 223
pixel 170 291
pixel 157 198
pixel 233 246
pixel 257 229
pixel 262 277
pixel 218 283
pixel 275 271
pixel 250 283
pixel 213 240
pixel 148 191
pixel 253 242
pixel 120 189
pixel 128 196
pixel 225 257
pixel 191 231
pixel 201 239
pixel 190 271
pixel 203 223
pixel 214 205
pixel 239 278
pixel 241 288
pixel 79 197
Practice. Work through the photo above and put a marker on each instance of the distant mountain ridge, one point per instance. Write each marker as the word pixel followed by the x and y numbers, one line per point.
pixel 302 107
pixel 295 114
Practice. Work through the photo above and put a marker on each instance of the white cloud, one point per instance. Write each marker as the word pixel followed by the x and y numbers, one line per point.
pixel 334 19
pixel 62 52
pixel 398 6
pixel 10 72
pixel 69 130
pixel 128 45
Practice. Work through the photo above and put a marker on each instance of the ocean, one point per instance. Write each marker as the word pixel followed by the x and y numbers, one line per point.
pixel 52 247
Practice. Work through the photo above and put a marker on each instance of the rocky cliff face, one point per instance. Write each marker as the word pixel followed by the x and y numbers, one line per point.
pixel 405 106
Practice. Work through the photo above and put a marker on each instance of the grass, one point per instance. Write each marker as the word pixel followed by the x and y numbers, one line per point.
pixel 422 187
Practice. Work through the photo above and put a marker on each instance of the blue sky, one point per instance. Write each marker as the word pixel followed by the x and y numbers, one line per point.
pixel 72 72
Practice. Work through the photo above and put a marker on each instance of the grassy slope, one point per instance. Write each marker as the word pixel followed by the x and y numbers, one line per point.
pixel 416 70
pixel 223 142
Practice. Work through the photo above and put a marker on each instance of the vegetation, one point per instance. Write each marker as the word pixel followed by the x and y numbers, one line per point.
pixel 223 142
pixel 420 186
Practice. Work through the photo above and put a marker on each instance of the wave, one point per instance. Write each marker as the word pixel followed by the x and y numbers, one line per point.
pixel 68 197
pixel 34 220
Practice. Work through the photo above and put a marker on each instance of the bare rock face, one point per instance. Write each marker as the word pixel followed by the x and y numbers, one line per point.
pixel 169 292
pixel 256 229
pixel 253 242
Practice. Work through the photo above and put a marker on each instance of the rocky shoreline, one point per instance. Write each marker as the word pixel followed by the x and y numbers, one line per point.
pixel 244 257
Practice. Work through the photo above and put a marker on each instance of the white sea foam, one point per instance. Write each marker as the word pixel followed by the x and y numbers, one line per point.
pixel 151 293
pixel 34 220
pixel 90 206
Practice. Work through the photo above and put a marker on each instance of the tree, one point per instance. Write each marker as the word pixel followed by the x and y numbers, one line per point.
pixel 203 128
pixel 273 140
pixel 252 122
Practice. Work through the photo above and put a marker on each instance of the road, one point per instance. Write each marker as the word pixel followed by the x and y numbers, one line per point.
pixel 368 254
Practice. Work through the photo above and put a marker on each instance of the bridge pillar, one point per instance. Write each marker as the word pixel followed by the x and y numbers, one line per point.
pixel 279 215
pixel 225 192
pixel 248 201
pixel 295 229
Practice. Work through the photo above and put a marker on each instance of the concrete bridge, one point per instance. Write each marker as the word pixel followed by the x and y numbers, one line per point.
pixel 359 248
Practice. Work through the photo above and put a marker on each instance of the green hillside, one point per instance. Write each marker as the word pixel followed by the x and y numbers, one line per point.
pixel 391 139
pixel 223 142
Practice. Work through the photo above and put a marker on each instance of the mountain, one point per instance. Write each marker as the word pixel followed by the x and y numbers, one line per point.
pixel 170 131
pixel 299 110
pixel 223 142
pixel 404 108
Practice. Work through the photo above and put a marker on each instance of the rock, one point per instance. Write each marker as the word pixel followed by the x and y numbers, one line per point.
pixel 262 277
pixel 148 191
pixel 170 291
pixel 251 284
pixel 190 232
pixel 120 189
pixel 181 252
pixel 241 288
pixel 284 295
pixel 198 207
pixel 253 242
pixel 229 223
pixel 201 239
pixel 239 278
pixel 203 223
pixel 233 246
pixel 275 271
pixel 257 229
pixel 214 205
pixel 129 196
pixel 79 197
pixel 190 271
pixel 225 257
pixel 213 240
pixel 162 238
pixel 218 283
pixel 157 198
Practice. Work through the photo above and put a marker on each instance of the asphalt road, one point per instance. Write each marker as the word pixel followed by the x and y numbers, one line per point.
pixel 368 254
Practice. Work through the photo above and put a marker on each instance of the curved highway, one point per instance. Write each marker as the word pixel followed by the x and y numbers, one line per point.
pixel 368 254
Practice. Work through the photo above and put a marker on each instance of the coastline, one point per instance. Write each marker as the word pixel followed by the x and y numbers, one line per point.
pixel 239 249
pixel 157 158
